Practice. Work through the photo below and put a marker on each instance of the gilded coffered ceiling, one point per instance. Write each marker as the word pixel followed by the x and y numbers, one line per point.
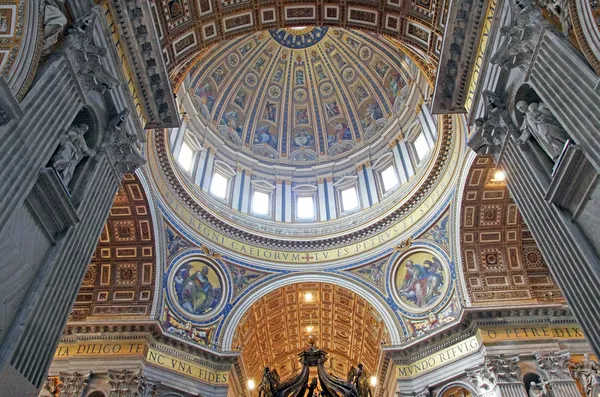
pixel 275 329
pixel 188 28
pixel 501 261
pixel 119 280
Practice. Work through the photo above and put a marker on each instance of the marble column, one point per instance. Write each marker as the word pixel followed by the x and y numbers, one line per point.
pixel 176 139
pixel 236 203
pixel 508 375
pixel 428 125
pixel 49 228
pixel 245 192
pixel 371 186
pixel 572 261
pixel 570 90
pixel 330 197
pixel 279 202
pixel 323 211
pixel 208 168
pixel 363 190
pixel 403 163
pixel 200 168
pixel 554 369
pixel 44 114
pixel 287 188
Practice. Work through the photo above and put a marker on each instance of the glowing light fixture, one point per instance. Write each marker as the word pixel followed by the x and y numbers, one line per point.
pixel 309 329
pixel 499 176
pixel 298 28
pixel 308 297
pixel 373 381
pixel 251 384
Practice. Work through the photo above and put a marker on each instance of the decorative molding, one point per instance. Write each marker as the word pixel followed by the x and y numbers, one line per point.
pixel 457 60
pixel 137 29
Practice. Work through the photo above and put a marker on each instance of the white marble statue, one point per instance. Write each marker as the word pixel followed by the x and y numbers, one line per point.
pixel 541 123
pixel 560 8
pixel 54 23
pixel 71 151
pixel 588 373
pixel 537 390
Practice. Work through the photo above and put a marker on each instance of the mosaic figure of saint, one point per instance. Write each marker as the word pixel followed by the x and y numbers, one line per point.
pixel 422 283
pixel 198 294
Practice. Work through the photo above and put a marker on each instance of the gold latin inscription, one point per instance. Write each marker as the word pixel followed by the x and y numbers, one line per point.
pixel 185 367
pixel 449 354
pixel 87 349
pixel 568 331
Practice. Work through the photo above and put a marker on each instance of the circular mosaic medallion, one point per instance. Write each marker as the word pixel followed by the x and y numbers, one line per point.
pixel 274 92
pixel 420 280
pixel 348 74
pixel 298 38
pixel 300 94
pixel 197 288
pixel 233 59
pixel 251 79
pixel 326 89
pixel 365 53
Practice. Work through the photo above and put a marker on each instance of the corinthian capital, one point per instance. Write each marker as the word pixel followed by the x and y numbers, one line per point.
pixel 73 384
pixel 506 368
pixel 125 383
pixel 554 366
pixel 483 377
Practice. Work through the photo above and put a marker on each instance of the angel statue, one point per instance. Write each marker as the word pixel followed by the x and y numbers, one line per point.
pixel 359 378
pixel 422 283
pixel 269 383
pixel 71 151
pixel 541 123
pixel 588 373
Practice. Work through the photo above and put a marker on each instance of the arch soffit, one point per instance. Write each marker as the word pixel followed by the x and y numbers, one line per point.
pixel 237 313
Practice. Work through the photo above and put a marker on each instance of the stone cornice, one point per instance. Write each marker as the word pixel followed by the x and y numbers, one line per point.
pixel 461 38
pixel 137 31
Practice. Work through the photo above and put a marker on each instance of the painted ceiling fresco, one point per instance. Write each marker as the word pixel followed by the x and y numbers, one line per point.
pixel 301 95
